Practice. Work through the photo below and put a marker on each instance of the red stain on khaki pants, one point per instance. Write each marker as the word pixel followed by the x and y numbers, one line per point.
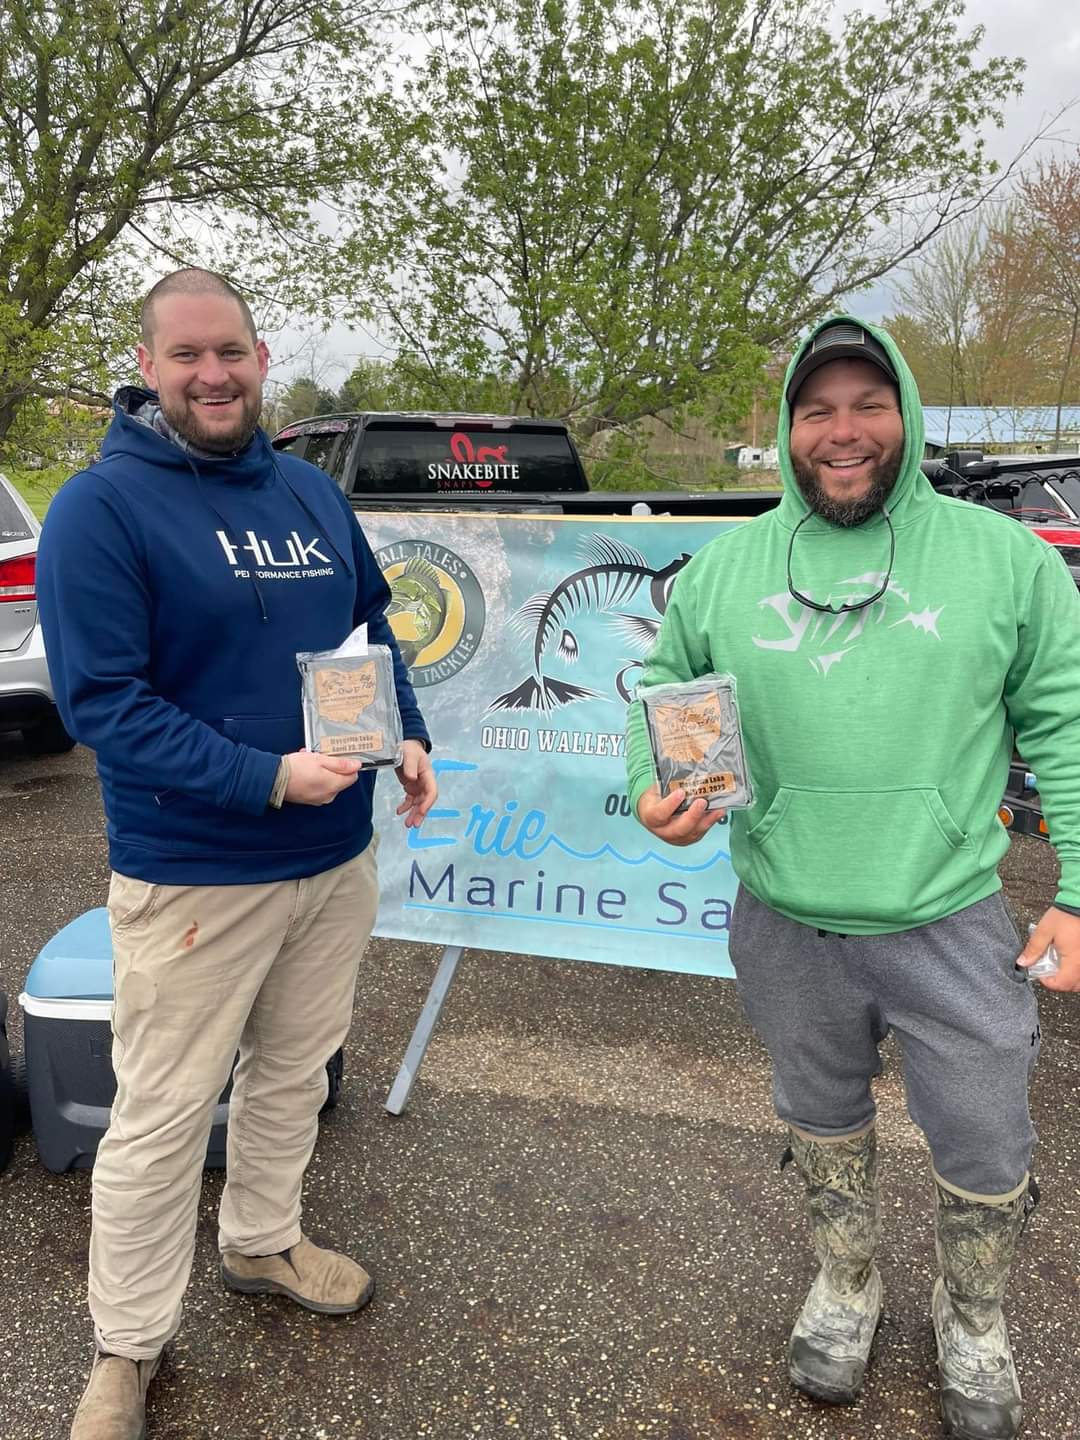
pixel 192 932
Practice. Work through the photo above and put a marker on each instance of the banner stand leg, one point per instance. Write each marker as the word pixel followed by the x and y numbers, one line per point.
pixel 425 1028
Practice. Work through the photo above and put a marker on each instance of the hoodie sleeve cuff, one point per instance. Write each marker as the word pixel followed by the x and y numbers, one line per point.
pixel 256 778
pixel 281 784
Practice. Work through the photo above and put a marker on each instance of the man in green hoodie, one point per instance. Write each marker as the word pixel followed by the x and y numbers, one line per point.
pixel 887 643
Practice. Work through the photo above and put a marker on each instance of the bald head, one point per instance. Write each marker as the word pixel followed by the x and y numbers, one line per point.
pixel 192 281
pixel 201 357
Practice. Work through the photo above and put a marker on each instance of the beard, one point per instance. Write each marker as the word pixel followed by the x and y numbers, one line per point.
pixel 855 511
pixel 215 440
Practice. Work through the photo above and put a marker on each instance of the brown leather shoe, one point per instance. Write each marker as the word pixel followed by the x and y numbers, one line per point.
pixel 113 1405
pixel 318 1279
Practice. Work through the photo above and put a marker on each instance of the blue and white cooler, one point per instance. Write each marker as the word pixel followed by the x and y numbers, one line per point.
pixel 67 1005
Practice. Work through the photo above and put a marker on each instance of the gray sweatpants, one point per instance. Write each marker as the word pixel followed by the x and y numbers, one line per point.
pixel 966 1022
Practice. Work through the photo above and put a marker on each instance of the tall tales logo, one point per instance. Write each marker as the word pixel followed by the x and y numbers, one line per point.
pixel 472 466
pixel 436 608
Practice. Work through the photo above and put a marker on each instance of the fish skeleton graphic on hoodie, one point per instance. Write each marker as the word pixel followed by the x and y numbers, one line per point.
pixel 879 741
pixel 175 591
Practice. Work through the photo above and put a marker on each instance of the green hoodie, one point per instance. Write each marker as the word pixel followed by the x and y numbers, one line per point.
pixel 879 741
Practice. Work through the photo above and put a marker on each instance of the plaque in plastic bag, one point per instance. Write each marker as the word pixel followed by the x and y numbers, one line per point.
pixel 697 742
pixel 350 703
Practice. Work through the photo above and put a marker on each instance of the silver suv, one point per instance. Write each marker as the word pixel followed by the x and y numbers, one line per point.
pixel 26 697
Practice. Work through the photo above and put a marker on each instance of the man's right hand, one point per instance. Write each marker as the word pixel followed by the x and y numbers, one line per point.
pixel 318 779
pixel 659 818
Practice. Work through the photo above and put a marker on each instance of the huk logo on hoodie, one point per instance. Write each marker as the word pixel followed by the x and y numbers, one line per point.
pixel 298 559
pixel 831 637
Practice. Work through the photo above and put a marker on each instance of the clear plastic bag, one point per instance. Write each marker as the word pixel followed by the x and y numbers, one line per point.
pixel 697 741
pixel 1048 963
pixel 350 701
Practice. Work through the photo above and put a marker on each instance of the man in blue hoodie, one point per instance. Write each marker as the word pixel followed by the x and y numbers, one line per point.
pixel 178 578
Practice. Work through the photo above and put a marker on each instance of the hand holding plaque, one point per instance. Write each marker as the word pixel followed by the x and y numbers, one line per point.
pixel 350 702
pixel 696 741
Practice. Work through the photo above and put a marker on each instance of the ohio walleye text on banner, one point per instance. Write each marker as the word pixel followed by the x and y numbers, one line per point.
pixel 525 637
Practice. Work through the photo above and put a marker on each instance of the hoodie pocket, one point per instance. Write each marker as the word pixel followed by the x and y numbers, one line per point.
pixel 279 734
pixel 880 856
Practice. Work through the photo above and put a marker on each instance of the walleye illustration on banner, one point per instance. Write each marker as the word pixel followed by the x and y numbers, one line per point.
pixel 531 846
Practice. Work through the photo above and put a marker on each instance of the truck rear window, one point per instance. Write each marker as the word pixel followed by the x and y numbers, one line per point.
pixel 324 446
pixel 465 460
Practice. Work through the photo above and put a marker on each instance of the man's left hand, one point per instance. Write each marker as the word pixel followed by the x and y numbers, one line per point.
pixel 1062 930
pixel 418 781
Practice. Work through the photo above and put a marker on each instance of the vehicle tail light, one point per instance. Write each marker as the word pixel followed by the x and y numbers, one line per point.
pixel 1005 815
pixel 17 579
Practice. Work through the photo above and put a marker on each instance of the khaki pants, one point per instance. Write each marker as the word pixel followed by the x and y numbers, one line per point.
pixel 200 972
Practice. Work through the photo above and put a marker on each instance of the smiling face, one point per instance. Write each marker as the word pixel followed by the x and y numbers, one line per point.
pixel 847 440
pixel 207 368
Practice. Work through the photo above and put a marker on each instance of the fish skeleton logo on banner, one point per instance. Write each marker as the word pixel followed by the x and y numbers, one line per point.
pixel 612 576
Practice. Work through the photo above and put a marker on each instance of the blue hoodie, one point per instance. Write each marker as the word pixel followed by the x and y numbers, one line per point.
pixel 175 592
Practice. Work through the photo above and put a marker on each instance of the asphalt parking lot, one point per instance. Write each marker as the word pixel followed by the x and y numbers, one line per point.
pixel 578 1227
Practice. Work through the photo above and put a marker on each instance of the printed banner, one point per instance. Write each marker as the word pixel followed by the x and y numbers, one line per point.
pixel 525 637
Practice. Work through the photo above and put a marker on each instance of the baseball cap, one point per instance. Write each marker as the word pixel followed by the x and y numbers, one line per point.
pixel 842 341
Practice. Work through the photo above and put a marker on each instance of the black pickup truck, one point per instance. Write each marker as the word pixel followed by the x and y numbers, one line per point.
pixel 421 461
pixel 392 457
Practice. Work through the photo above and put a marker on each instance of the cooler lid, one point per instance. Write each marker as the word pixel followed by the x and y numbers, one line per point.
pixel 99 1010
pixel 76 963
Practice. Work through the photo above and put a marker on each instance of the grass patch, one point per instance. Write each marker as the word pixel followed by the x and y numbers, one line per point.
pixel 37 487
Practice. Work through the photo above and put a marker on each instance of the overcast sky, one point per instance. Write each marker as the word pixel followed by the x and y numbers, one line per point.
pixel 1045 33
pixel 1048 39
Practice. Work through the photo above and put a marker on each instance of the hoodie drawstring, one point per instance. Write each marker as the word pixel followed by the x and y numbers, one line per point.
pixel 310 513
pixel 228 531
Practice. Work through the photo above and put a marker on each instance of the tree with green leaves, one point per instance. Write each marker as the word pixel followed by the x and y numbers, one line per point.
pixel 406 383
pixel 170 131
pixel 620 207
pixel 298 400
pixel 371 386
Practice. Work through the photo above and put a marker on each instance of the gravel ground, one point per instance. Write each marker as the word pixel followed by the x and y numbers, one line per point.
pixel 578 1226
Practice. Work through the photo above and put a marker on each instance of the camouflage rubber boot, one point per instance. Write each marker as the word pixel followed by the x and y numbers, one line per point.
pixel 832 1336
pixel 980 1394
